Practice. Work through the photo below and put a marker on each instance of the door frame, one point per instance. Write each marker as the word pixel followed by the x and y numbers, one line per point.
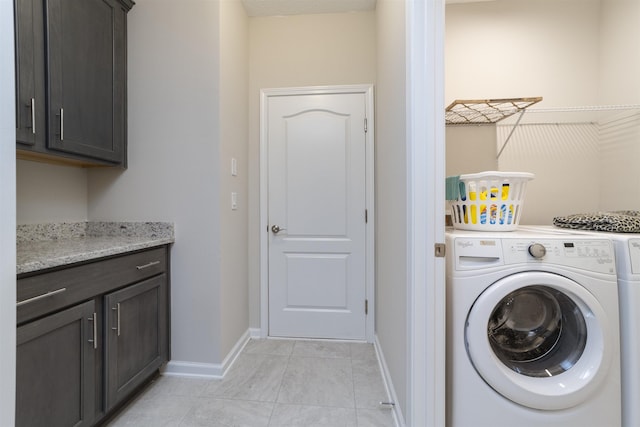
pixel 7 217
pixel 265 94
pixel 426 315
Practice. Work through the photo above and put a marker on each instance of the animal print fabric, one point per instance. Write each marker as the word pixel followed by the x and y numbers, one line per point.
pixel 616 221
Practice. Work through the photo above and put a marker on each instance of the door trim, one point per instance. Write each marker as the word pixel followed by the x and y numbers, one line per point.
pixel 426 317
pixel 265 94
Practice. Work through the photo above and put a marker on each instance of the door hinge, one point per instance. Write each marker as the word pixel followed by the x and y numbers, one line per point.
pixel 366 216
pixel 440 250
pixel 366 306
pixel 365 125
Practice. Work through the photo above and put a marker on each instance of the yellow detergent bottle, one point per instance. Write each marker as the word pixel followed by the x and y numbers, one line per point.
pixel 483 207
pixel 473 208
pixel 503 207
pixel 505 191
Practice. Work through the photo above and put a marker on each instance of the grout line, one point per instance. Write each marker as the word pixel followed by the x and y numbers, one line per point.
pixel 284 372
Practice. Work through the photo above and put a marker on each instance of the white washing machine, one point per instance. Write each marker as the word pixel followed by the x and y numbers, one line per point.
pixel 533 332
pixel 627 251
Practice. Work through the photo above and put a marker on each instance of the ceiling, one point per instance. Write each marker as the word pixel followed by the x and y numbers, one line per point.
pixel 306 7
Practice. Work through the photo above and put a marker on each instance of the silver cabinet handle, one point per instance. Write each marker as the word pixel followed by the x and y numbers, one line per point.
pixel 151 264
pixel 117 309
pixel 33 116
pixel 94 319
pixel 48 294
pixel 276 229
pixel 61 124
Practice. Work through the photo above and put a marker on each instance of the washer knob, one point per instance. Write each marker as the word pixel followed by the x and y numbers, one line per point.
pixel 537 250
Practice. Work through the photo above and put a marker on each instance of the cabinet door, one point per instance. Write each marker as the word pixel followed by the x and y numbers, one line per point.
pixel 136 336
pixel 31 127
pixel 55 369
pixel 87 77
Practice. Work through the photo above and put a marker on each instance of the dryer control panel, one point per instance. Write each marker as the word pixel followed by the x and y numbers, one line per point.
pixel 634 255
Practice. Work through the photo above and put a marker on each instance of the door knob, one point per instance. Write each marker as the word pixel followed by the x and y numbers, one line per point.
pixel 276 229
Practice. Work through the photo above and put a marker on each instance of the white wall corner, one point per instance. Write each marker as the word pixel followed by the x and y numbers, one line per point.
pixel 181 368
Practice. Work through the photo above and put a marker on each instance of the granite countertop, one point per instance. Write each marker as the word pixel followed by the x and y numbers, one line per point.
pixel 43 246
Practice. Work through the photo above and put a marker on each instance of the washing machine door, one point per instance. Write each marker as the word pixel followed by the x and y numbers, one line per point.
pixel 540 340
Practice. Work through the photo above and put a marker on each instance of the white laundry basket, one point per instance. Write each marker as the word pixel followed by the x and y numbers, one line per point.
pixel 489 201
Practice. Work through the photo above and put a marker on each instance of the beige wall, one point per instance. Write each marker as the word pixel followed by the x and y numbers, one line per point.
pixel 174 160
pixel 50 193
pixel 470 149
pixel 311 50
pixel 234 134
pixel 522 48
pixel 565 160
pixel 619 52
pixel 392 195
pixel 619 84
pixel 292 51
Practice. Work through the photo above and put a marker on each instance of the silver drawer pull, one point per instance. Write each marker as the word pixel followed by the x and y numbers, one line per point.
pixel 94 319
pixel 151 264
pixel 117 310
pixel 61 124
pixel 33 115
pixel 48 294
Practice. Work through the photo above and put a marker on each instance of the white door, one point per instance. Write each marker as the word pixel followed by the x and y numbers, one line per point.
pixel 316 215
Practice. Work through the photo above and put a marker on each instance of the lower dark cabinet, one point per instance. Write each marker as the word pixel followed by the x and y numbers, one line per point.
pixel 136 336
pixel 55 369
pixel 89 336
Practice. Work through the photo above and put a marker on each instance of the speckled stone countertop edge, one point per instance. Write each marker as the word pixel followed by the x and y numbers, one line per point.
pixel 71 230
pixel 65 244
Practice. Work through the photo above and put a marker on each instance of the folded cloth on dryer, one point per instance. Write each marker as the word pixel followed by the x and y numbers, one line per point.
pixel 452 188
pixel 615 221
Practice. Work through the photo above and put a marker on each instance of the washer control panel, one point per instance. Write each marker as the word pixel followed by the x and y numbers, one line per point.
pixel 588 254
pixel 582 252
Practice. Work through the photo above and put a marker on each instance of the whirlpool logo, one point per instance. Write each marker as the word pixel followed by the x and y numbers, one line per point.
pixel 465 244
pixel 471 243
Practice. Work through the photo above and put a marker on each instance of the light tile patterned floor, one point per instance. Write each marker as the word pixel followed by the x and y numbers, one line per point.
pixel 273 383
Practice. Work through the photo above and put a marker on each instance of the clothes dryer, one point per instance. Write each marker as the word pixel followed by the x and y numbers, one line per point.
pixel 533 333
pixel 627 253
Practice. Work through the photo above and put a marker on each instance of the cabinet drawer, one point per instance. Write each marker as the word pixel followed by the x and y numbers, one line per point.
pixel 48 292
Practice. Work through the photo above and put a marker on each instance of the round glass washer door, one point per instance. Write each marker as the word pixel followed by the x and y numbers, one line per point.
pixel 540 340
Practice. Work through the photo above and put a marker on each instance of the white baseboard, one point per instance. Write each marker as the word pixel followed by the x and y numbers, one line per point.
pixel 180 368
pixel 386 378
pixel 193 369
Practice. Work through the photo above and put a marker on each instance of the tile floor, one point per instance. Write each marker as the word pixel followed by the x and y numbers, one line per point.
pixel 282 383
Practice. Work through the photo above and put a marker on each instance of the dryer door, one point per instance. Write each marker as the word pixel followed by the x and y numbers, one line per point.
pixel 540 340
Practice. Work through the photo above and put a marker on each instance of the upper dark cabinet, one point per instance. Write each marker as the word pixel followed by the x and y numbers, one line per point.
pixel 84 78
pixel 31 126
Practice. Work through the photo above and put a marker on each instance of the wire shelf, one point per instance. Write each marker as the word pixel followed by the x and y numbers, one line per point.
pixel 485 111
